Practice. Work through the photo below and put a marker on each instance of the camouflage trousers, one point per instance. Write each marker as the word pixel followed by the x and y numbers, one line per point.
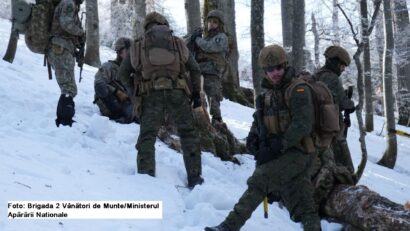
pixel 213 91
pixel 286 177
pixel 341 150
pixel 154 107
pixel 63 62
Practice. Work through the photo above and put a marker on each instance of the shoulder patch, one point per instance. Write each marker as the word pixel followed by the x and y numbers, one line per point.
pixel 300 90
pixel 69 9
pixel 218 40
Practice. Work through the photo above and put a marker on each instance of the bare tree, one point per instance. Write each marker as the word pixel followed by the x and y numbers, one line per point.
pixel 402 48
pixel 298 32
pixel 390 154
pixel 139 15
pixel 368 91
pixel 287 25
pixel 258 42
pixel 92 52
pixel 317 40
pixel 193 15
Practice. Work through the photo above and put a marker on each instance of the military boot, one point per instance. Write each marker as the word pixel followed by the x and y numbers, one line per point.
pixel 65 110
pixel 221 227
pixel 194 180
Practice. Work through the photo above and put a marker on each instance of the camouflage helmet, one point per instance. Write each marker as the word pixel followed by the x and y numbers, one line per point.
pixel 155 17
pixel 122 43
pixel 272 55
pixel 338 52
pixel 216 14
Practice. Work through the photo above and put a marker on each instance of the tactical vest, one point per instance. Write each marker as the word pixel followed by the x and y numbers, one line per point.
pixel 159 57
pixel 218 59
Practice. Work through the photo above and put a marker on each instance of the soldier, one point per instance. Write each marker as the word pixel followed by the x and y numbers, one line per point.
pixel 211 58
pixel 277 140
pixel 67 35
pixel 110 95
pixel 160 62
pixel 337 59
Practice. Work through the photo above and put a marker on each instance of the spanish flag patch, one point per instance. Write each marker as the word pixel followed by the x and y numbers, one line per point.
pixel 300 90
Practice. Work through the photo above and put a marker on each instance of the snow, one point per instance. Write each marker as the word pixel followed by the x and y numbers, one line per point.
pixel 95 159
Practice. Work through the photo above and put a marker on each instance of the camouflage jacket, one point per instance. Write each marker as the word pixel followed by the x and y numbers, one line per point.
pixel 66 27
pixel 334 83
pixel 212 53
pixel 105 81
pixel 298 113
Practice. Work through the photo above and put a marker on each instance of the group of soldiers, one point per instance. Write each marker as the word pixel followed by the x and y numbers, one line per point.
pixel 162 76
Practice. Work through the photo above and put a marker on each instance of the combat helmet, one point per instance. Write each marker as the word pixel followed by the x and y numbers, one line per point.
pixel 272 55
pixel 216 14
pixel 338 52
pixel 155 17
pixel 122 43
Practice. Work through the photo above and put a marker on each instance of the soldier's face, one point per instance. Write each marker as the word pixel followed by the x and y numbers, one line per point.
pixel 213 23
pixel 123 53
pixel 275 74
pixel 342 67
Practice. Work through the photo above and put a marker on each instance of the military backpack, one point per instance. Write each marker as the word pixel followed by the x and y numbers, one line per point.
pixel 326 123
pixel 160 57
pixel 34 20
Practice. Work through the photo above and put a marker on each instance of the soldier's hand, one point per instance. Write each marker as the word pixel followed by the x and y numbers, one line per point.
pixel 121 96
pixel 196 34
pixel 196 100
pixel 347 122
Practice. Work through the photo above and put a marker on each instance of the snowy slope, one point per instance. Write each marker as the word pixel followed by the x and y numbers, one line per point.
pixel 95 159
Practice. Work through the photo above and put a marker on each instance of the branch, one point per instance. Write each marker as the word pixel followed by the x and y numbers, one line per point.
pixel 351 25
pixel 377 4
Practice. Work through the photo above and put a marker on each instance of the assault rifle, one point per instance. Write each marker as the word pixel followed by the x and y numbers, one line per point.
pixel 346 120
pixel 79 55
pixel 190 41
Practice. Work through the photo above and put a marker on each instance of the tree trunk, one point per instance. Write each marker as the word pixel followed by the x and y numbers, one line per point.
pixel 365 210
pixel 390 155
pixel 335 23
pixel 92 51
pixel 380 49
pixel 193 15
pixel 258 42
pixel 368 92
pixel 317 40
pixel 231 89
pixel 287 25
pixel 122 14
pixel 298 41
pixel 402 45
pixel 139 15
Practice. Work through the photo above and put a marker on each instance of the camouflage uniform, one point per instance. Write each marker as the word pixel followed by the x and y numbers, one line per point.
pixel 66 30
pixel 211 58
pixel 329 74
pixel 162 95
pixel 105 83
pixel 282 162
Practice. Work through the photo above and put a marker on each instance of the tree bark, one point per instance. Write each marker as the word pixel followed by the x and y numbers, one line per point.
pixel 287 25
pixel 390 154
pixel 92 51
pixel 139 16
pixel 365 210
pixel 380 49
pixel 368 91
pixel 193 15
pixel 317 40
pixel 402 45
pixel 298 31
pixel 335 23
pixel 258 42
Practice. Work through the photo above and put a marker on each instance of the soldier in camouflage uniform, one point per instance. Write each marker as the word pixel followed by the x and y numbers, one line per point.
pixel 337 59
pixel 67 35
pixel 277 139
pixel 110 95
pixel 160 62
pixel 211 58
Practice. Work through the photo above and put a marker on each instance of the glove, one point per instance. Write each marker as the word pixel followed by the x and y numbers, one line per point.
pixel 276 146
pixel 65 111
pixel 196 34
pixel 347 122
pixel 121 96
pixel 82 38
pixel 113 105
pixel 196 100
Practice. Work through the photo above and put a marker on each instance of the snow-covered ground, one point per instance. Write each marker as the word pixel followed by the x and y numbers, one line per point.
pixel 95 159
